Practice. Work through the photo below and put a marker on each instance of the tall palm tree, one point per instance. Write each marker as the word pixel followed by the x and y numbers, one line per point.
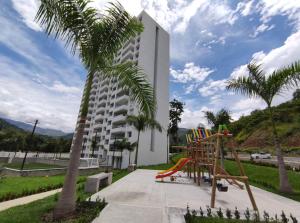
pixel 222 117
pixel 125 144
pixel 130 147
pixel 96 39
pixel 141 123
pixel 266 87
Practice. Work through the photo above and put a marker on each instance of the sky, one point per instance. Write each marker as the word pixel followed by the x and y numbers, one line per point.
pixel 212 41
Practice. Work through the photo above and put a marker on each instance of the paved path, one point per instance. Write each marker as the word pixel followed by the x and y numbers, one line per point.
pixel 25 200
pixel 138 198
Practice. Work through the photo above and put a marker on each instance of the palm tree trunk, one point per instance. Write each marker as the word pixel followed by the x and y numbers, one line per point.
pixel 167 147
pixel 284 185
pixel 129 158
pixel 121 159
pixel 67 200
pixel 137 149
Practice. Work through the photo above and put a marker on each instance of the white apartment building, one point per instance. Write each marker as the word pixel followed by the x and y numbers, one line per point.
pixel 109 105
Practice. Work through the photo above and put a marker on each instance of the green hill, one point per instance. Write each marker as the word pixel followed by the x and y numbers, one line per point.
pixel 254 130
pixel 14 138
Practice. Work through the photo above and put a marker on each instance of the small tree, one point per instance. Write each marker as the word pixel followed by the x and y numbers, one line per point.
pixel 176 110
pixel 141 123
pixel 258 84
pixel 222 117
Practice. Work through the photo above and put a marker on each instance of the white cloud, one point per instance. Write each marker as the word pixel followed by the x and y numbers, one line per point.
pixel 262 28
pixel 169 14
pixel 212 87
pixel 40 86
pixel 27 9
pixel 187 13
pixel 191 72
pixel 62 88
pixel 248 103
pixel 24 99
pixel 192 117
pixel 215 99
pixel 284 55
pixel 245 8
pixel 289 8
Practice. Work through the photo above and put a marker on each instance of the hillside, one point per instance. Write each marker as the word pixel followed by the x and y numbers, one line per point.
pixel 13 138
pixel 4 125
pixel 39 130
pixel 254 130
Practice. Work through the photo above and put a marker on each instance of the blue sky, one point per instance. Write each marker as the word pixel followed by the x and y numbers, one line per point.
pixel 211 41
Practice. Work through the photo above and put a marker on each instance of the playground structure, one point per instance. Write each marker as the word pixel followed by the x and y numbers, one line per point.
pixel 204 161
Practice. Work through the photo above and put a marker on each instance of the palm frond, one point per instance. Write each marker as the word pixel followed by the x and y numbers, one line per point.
pixel 155 125
pixel 70 20
pixel 284 78
pixel 211 119
pixel 117 27
pixel 132 79
pixel 244 85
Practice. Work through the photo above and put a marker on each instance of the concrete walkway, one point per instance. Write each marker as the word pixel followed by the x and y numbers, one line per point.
pixel 25 200
pixel 138 198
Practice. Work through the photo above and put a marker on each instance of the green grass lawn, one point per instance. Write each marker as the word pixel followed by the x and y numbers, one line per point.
pixel 13 187
pixel 34 211
pixel 30 166
pixel 266 178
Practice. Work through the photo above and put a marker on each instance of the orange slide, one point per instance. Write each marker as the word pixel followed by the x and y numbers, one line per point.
pixel 179 167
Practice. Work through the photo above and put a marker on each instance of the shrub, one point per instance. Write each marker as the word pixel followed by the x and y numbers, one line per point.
pixel 228 213
pixel 247 214
pixel 284 219
pixel 237 214
pixel 220 213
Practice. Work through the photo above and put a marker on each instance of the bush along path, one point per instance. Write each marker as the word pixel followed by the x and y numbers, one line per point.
pixel 16 187
pixel 40 210
pixel 207 215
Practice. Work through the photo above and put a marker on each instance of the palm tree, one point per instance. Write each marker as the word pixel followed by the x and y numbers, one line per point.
pixel 125 144
pixel 96 39
pixel 266 87
pixel 222 117
pixel 141 123
pixel 94 144
pixel 130 147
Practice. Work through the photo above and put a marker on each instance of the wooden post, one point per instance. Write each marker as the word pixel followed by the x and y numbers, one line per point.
pixel 214 183
pixel 242 172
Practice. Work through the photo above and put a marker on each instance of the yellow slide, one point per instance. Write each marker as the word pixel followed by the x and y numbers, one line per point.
pixel 173 167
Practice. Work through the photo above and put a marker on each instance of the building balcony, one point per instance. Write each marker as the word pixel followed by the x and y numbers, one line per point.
pixel 98 118
pixel 118 118
pixel 129 56
pixel 122 99
pixel 130 48
pixel 120 108
pixel 119 129
pixel 98 125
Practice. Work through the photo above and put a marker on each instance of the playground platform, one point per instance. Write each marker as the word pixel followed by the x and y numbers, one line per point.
pixel 138 198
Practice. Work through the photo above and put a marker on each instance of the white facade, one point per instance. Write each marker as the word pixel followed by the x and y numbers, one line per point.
pixel 109 104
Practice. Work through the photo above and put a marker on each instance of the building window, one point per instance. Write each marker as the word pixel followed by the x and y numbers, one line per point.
pixel 129 134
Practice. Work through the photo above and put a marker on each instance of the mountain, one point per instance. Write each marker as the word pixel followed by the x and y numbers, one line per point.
pixel 4 125
pixel 39 130
pixel 181 135
pixel 254 131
